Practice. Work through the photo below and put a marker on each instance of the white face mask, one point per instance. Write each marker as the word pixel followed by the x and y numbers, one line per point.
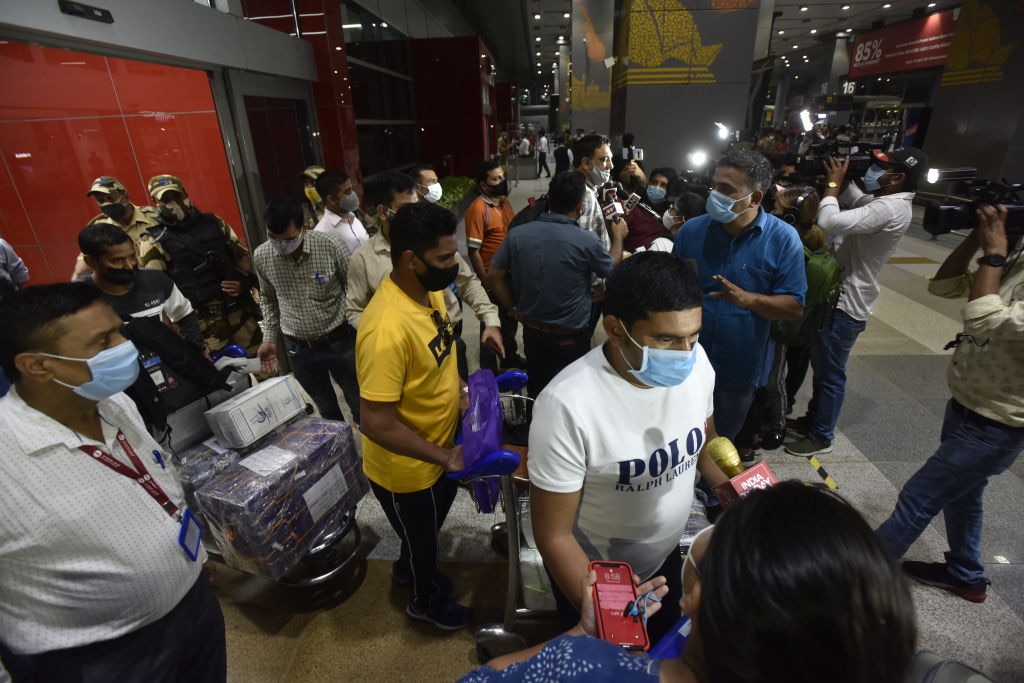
pixel 433 193
pixel 176 209
pixel 668 219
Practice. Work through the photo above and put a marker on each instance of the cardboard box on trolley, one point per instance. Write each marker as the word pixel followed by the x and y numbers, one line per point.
pixel 266 512
pixel 244 419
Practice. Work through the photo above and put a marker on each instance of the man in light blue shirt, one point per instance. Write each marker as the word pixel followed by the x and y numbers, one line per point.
pixel 751 267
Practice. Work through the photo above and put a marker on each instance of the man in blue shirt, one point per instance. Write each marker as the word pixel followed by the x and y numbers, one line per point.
pixel 751 268
pixel 552 262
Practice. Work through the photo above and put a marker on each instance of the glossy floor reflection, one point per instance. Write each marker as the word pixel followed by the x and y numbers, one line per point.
pixel 357 630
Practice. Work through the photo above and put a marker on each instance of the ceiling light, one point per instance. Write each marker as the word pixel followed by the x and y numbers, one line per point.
pixel 537 17
pixel 561 38
pixel 566 15
pixel 796 47
pixel 886 6
pixel 483 56
pixel 804 56
pixel 538 63
pixel 538 72
pixel 804 8
pixel 845 7
pixel 931 4
pixel 848 30
pixel 781 32
pixel 538 53
pixel 537 39
pixel 813 31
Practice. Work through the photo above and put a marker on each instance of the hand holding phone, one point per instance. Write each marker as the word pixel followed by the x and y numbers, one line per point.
pixel 614 596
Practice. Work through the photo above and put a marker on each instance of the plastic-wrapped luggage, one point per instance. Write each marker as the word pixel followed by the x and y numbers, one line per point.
pixel 268 510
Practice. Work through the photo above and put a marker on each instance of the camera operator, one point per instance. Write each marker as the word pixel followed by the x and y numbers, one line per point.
pixel 870 231
pixel 983 430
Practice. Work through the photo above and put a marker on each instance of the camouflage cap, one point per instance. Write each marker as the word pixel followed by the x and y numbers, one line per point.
pixel 106 184
pixel 159 184
pixel 313 172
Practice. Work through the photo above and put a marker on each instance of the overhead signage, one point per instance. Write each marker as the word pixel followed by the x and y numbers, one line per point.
pixel 916 44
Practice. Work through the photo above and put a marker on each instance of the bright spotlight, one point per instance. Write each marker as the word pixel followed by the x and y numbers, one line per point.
pixel 723 131
pixel 805 118
pixel 698 158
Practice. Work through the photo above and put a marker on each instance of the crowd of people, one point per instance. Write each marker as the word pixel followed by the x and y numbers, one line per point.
pixel 690 283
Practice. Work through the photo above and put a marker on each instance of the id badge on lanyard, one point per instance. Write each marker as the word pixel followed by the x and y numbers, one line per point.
pixel 191 533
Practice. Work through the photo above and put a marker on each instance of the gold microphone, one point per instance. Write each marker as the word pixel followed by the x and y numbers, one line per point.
pixel 725 456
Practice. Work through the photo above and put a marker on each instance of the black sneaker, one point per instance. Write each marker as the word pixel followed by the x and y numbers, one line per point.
pixel 937 574
pixel 749 459
pixel 809 446
pixel 402 577
pixel 445 614
pixel 772 440
pixel 799 425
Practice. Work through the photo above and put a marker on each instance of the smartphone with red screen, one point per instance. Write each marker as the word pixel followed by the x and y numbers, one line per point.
pixel 613 593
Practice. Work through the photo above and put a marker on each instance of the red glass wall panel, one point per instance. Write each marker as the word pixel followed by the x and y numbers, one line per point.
pixel 67 117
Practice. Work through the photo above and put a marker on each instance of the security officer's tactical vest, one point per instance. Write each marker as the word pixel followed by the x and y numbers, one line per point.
pixel 201 256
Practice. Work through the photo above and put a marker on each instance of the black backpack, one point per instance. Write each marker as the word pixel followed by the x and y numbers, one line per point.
pixel 172 372
pixel 531 212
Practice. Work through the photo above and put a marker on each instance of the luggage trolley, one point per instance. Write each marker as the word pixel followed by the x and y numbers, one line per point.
pixel 336 548
pixel 490 486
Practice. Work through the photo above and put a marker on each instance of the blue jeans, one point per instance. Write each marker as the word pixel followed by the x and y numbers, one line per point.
pixel 731 408
pixel 828 360
pixel 952 481
pixel 314 369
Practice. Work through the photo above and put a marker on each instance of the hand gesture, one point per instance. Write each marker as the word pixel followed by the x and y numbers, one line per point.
pixel 231 287
pixel 991 230
pixel 835 170
pixel 267 353
pixel 735 295
pixel 491 338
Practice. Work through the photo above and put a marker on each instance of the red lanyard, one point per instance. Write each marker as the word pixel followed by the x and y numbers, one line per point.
pixel 139 474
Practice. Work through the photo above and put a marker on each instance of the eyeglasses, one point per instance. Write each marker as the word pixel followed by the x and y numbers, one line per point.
pixel 444 326
pixel 689 555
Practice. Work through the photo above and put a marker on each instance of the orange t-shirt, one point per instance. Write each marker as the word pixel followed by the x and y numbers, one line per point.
pixel 486 227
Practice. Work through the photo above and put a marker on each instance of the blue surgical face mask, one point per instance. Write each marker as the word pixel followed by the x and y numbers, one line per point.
pixel 113 370
pixel 871 176
pixel 656 194
pixel 662 367
pixel 719 206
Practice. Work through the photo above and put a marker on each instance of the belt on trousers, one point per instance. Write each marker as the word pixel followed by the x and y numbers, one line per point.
pixel 545 327
pixel 342 331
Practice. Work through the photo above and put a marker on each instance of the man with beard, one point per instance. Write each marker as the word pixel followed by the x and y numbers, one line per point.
pixel 204 257
pixel 133 293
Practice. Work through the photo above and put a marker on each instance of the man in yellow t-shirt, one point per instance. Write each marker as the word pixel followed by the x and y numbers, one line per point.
pixel 410 398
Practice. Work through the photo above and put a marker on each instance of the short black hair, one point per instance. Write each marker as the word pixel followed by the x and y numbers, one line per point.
pixel 282 212
pixel 486 167
pixel 668 173
pixel 757 167
pixel 30 318
pixel 414 170
pixel 585 147
pixel 691 204
pixel 650 282
pixel 94 239
pixel 417 227
pixel 328 182
pixel 797 587
pixel 381 188
pixel 565 191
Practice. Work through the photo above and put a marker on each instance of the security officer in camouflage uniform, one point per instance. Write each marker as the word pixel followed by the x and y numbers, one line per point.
pixel 204 257
pixel 313 209
pixel 112 197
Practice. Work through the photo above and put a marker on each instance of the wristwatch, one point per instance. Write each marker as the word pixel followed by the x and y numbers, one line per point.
pixel 833 184
pixel 994 260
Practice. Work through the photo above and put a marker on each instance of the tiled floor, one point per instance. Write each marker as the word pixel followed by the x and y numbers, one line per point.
pixel 356 631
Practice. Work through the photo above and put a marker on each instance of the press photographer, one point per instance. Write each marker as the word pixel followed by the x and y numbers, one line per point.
pixel 983 430
pixel 871 227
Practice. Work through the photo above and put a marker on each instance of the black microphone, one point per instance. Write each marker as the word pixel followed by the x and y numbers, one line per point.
pixel 611 194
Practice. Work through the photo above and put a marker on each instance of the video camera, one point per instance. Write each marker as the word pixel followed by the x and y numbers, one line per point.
pixel 940 218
